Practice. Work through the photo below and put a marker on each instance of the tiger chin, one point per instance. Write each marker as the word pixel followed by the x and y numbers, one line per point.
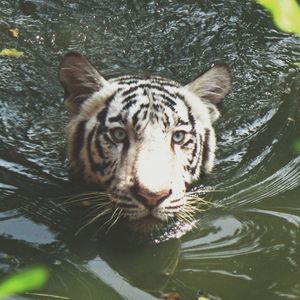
pixel 141 139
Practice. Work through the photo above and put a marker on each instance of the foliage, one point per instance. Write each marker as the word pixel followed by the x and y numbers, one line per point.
pixel 11 52
pixel 286 14
pixel 27 280
pixel 296 146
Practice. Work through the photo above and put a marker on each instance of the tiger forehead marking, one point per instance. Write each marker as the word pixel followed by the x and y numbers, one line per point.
pixel 142 139
pixel 146 101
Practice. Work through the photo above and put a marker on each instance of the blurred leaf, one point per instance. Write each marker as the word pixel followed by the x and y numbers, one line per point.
pixel 297 64
pixel 11 52
pixel 14 32
pixel 286 14
pixel 296 146
pixel 25 281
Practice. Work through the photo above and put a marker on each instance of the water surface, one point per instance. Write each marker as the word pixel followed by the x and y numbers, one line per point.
pixel 247 245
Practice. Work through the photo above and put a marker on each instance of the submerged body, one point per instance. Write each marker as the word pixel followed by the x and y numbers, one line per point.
pixel 142 139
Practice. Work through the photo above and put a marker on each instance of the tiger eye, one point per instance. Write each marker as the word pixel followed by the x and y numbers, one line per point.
pixel 178 137
pixel 118 134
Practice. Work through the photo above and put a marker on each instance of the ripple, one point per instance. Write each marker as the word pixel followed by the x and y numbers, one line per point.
pixel 290 218
pixel 250 231
pixel 285 179
pixel 227 237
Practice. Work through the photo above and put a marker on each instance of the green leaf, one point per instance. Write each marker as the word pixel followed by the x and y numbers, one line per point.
pixel 11 52
pixel 296 146
pixel 25 281
pixel 286 14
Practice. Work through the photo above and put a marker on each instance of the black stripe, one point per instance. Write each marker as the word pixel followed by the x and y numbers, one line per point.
pixel 78 140
pixel 191 118
pixel 109 181
pixel 125 148
pixel 199 158
pixel 181 97
pixel 98 144
pixel 129 104
pixel 156 107
pixel 102 167
pixel 108 139
pixel 181 122
pixel 145 115
pixel 135 117
pixel 188 168
pixel 168 104
pixel 187 143
pixel 138 127
pixel 166 121
pixel 101 117
pixel 153 87
pixel 133 79
pixel 206 149
pixel 130 90
pixel 165 82
pixel 126 205
pixel 128 81
pixel 194 163
pixel 116 118
pixel 127 77
pixel 194 150
pixel 94 165
pixel 168 99
pixel 128 98
pixel 173 207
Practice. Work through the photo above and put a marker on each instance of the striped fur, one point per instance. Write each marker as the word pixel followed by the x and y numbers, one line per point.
pixel 147 173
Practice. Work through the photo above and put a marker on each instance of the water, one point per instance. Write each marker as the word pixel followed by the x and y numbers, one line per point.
pixel 247 245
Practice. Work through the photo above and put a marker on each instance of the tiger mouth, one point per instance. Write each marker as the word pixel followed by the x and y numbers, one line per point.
pixel 112 209
pixel 149 219
pixel 133 212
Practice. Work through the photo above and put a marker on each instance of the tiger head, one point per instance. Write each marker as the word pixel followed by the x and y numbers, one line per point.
pixel 142 139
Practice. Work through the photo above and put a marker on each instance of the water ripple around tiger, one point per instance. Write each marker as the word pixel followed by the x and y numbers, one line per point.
pixel 250 231
pixel 285 179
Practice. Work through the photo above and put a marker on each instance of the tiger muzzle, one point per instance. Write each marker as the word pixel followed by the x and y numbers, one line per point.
pixel 148 198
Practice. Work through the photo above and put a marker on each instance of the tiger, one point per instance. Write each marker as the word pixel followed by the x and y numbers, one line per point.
pixel 143 139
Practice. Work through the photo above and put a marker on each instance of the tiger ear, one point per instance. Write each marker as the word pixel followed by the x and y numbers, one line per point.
pixel 79 80
pixel 212 86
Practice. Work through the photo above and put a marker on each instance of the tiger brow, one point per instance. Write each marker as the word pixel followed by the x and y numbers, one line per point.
pixel 181 122
pixel 117 119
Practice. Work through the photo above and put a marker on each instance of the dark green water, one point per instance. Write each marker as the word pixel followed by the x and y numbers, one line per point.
pixel 247 245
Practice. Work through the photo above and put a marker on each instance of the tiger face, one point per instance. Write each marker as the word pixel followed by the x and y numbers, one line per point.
pixel 142 139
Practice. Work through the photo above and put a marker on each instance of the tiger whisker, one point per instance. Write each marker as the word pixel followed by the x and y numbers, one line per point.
pixel 86 197
pixel 115 221
pixel 70 197
pixel 107 211
pixel 186 214
pixel 197 202
pixel 98 194
pixel 86 202
pixel 199 192
pixel 201 201
pixel 184 219
pixel 187 219
pixel 109 220
pixel 91 200
pixel 95 209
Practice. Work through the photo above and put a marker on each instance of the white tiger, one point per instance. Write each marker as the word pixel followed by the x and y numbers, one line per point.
pixel 143 139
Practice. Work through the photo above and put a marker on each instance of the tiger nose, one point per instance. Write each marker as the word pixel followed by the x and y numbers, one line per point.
pixel 148 198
